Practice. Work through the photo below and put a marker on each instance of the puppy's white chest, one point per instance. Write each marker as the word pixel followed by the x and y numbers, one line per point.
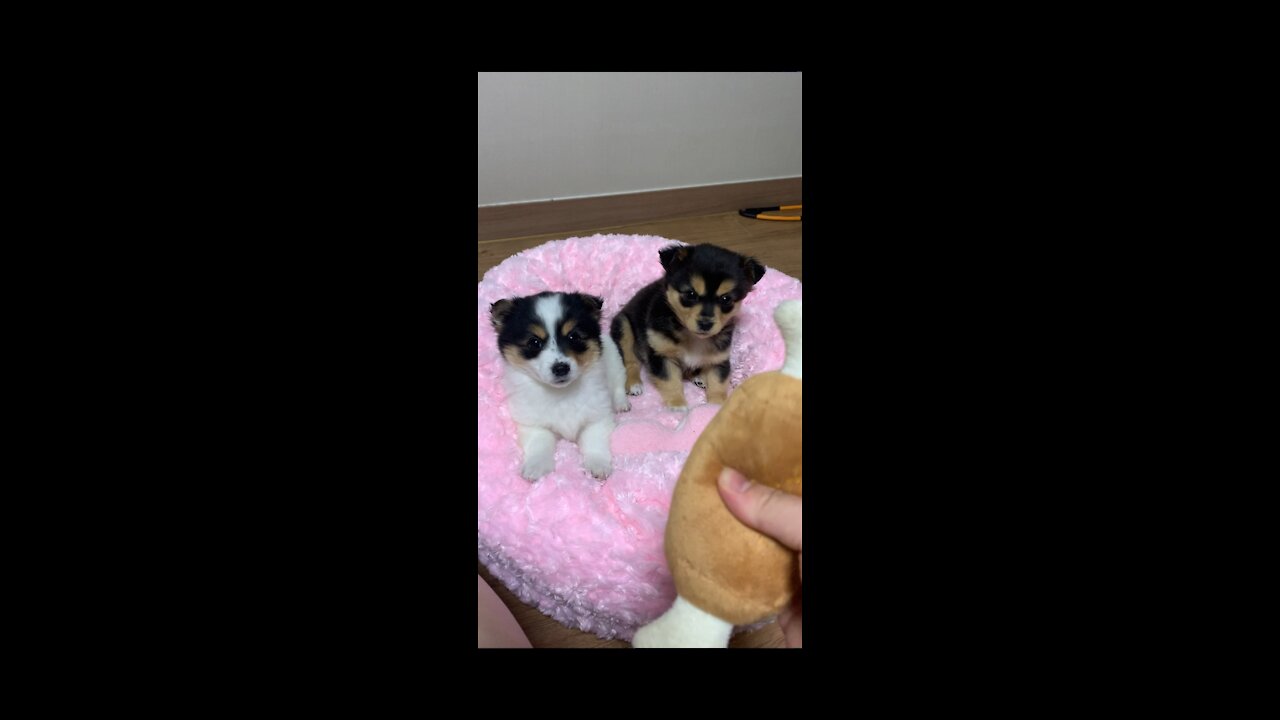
pixel 700 353
pixel 563 411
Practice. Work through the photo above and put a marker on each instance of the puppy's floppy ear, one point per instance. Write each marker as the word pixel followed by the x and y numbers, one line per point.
pixel 753 269
pixel 673 255
pixel 498 313
pixel 594 303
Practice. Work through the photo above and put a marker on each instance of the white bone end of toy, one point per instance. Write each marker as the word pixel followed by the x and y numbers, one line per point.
pixel 788 317
pixel 684 626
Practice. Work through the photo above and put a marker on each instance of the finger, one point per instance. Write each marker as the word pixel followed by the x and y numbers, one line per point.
pixel 790 621
pixel 772 512
pixel 793 631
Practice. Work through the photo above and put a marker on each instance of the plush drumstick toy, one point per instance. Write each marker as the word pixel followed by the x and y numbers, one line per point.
pixel 726 573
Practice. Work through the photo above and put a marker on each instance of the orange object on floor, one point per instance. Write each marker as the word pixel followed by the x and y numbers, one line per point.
pixel 759 213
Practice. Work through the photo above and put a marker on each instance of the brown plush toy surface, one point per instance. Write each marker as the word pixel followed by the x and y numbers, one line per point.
pixel 726 573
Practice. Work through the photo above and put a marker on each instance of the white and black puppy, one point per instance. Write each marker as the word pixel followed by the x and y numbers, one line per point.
pixel 563 377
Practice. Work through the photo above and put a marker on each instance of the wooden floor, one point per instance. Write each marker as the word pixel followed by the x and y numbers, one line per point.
pixel 777 245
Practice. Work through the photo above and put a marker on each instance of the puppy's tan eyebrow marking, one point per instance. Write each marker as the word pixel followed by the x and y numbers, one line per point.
pixel 537 330
pixel 567 327
pixel 699 284
pixel 726 286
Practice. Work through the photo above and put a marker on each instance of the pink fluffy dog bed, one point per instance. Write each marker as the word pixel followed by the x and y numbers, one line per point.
pixel 589 554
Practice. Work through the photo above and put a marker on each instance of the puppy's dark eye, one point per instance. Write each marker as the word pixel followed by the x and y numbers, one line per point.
pixel 690 295
pixel 534 343
pixel 726 299
pixel 573 337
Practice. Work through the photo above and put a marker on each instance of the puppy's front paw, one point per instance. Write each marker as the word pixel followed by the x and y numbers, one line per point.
pixel 682 407
pixel 697 380
pixel 598 465
pixel 621 403
pixel 635 389
pixel 535 467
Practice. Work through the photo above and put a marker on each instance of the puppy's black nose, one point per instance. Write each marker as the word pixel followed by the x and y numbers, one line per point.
pixel 560 369
pixel 705 325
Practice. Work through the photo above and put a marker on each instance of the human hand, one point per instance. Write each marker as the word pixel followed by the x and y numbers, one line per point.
pixel 496 626
pixel 776 514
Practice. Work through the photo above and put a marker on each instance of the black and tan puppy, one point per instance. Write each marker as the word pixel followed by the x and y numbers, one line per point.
pixel 682 325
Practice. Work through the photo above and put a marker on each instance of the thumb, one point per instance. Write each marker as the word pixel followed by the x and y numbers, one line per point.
pixel 772 512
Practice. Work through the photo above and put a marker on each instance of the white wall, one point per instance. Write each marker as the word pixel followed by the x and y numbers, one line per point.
pixel 549 136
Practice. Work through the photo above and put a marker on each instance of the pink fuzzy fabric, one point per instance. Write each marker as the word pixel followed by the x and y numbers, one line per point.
pixel 589 554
